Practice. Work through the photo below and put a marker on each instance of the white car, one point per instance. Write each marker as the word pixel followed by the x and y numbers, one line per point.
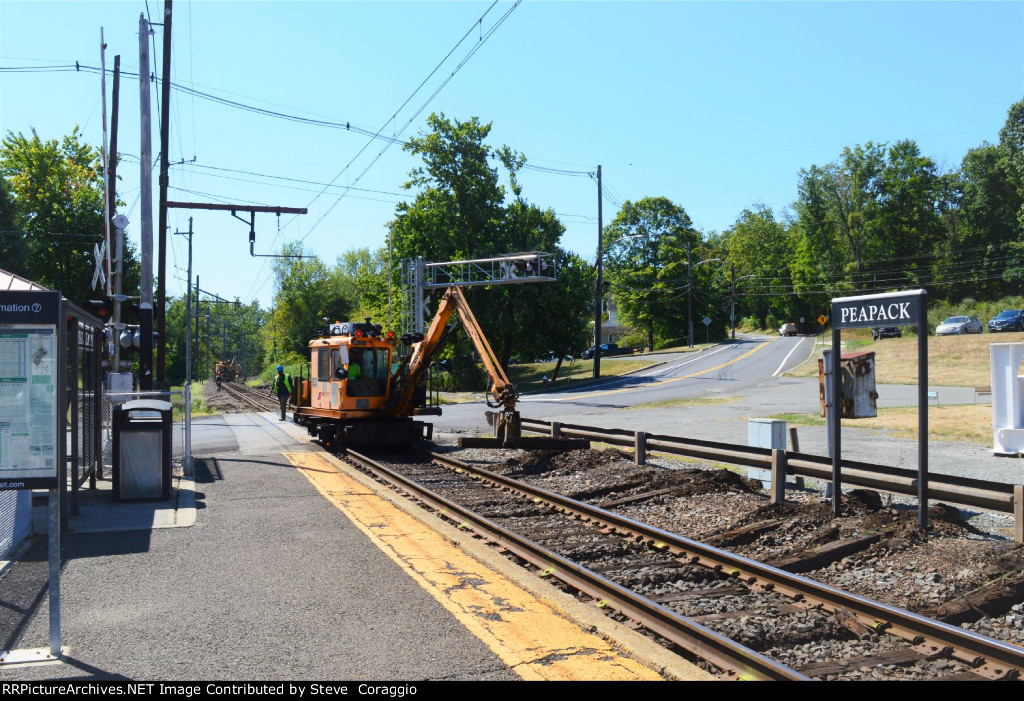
pixel 788 330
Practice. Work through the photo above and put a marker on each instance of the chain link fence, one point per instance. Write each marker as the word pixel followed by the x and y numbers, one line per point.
pixel 178 426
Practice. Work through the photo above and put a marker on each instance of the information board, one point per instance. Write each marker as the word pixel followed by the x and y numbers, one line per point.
pixel 29 391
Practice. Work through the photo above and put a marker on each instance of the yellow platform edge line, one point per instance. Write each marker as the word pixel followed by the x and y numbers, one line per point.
pixel 532 636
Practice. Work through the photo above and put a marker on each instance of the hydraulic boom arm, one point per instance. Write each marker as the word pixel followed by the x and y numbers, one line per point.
pixel 503 391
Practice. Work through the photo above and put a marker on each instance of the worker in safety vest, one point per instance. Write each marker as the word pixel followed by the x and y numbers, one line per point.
pixel 282 387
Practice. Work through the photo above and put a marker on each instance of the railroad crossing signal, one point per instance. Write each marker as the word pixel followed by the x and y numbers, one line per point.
pixel 102 308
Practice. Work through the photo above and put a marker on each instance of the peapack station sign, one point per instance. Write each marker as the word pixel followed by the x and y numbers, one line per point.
pixel 894 309
pixel 897 309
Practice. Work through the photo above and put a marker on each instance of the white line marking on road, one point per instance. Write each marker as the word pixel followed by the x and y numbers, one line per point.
pixel 786 359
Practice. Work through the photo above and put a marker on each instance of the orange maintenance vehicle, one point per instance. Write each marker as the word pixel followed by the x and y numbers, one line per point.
pixel 355 391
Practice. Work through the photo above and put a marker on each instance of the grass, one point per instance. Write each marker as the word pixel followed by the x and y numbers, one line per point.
pixel 684 402
pixel 956 361
pixel 968 423
pixel 531 375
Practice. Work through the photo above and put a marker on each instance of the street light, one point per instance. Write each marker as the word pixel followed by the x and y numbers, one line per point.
pixel 599 266
pixel 732 309
pixel 689 293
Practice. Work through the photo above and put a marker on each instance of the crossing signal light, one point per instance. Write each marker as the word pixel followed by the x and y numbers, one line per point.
pixel 102 308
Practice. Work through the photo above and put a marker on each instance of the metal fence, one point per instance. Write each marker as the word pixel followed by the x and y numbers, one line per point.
pixel 178 427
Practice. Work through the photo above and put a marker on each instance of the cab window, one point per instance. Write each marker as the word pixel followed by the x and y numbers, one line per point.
pixel 368 372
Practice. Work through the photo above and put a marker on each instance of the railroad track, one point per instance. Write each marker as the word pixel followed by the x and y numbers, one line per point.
pixel 255 398
pixel 740 618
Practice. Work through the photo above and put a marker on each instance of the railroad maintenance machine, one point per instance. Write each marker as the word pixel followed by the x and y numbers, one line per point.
pixel 355 391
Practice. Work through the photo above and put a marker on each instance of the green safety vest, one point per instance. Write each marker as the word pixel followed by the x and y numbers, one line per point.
pixel 287 383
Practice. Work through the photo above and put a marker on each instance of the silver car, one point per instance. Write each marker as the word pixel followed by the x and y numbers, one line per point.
pixel 958 325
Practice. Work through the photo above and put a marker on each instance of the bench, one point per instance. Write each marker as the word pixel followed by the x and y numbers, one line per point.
pixel 986 389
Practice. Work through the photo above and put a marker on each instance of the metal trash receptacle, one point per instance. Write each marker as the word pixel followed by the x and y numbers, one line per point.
pixel 142 450
pixel 857 393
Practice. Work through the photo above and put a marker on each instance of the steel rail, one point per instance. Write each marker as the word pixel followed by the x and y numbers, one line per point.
pixel 247 396
pixel 737 661
pixel 988 657
pixel 966 491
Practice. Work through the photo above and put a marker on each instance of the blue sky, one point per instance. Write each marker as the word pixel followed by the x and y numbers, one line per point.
pixel 716 105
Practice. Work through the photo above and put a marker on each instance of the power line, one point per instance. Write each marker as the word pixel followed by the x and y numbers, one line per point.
pixel 483 38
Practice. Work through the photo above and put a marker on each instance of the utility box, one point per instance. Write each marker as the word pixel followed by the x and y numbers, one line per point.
pixel 142 450
pixel 857 394
pixel 765 433
pixel 1007 398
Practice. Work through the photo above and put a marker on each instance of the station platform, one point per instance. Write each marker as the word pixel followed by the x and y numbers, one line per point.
pixel 274 561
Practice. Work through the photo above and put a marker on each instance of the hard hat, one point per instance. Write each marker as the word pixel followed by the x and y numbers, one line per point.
pixel 280 368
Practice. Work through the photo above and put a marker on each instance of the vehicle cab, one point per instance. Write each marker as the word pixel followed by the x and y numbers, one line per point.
pixel 349 369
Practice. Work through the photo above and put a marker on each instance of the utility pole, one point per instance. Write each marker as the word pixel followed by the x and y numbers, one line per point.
pixel 732 310
pixel 689 299
pixel 118 250
pixel 188 309
pixel 165 120
pixel 146 198
pixel 188 357
pixel 196 317
pixel 206 375
pixel 391 275
pixel 106 157
pixel 599 302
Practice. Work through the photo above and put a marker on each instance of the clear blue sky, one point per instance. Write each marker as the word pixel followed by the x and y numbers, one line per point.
pixel 715 105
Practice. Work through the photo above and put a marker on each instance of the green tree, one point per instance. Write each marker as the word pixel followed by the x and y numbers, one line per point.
pixel 362 278
pixel 462 211
pixel 58 190
pixel 759 250
pixel 13 241
pixel 646 265
pixel 306 292
pixel 459 206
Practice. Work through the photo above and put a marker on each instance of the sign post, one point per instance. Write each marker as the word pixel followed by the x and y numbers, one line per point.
pixel 893 309
pixel 33 404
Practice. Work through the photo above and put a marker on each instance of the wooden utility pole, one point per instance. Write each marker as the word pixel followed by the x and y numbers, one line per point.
pixel 106 159
pixel 165 120
pixel 146 200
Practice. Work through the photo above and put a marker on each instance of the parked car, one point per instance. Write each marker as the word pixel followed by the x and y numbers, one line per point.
pixel 606 350
pixel 788 330
pixel 958 325
pixel 878 332
pixel 1007 320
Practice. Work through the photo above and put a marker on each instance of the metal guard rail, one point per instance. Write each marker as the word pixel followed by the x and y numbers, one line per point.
pixel 964 491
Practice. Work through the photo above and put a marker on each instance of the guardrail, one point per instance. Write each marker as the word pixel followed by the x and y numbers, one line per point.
pixel 964 491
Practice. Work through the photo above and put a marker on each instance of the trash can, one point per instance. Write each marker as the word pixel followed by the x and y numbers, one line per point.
pixel 142 450
pixel 857 391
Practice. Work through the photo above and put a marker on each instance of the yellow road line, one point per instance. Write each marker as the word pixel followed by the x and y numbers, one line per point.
pixel 529 635
pixel 676 379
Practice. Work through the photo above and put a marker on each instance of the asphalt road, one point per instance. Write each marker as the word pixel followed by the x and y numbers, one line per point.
pixel 748 377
